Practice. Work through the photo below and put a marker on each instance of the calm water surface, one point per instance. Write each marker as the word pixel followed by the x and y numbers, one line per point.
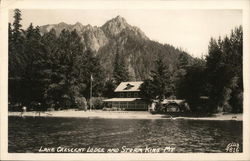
pixel 29 134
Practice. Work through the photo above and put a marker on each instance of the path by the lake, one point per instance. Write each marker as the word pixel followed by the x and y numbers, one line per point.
pixel 121 115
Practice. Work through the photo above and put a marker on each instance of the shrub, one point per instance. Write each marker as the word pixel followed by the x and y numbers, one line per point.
pixel 50 109
pixel 97 102
pixel 227 107
pixel 106 109
pixel 81 103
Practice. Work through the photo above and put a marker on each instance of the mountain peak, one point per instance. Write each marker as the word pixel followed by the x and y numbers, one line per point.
pixel 115 26
pixel 78 24
pixel 62 24
pixel 119 19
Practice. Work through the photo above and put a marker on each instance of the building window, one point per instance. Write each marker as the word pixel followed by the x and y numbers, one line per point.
pixel 136 94
pixel 128 94
pixel 121 95
pixel 123 105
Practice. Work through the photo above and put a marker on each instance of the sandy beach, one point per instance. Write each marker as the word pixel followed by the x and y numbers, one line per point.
pixel 121 115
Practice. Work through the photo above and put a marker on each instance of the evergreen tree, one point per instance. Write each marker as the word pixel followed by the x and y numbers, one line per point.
pixel 180 73
pixel 236 40
pixel 17 37
pixel 183 61
pixel 10 49
pixel 16 47
pixel 10 33
pixel 69 69
pixel 32 58
pixel 193 84
pixel 160 85
pixel 224 67
pixel 109 88
pixel 16 61
pixel 147 91
pixel 162 80
pixel 91 67
pixel 50 64
pixel 214 70
pixel 32 51
pixel 120 72
pixel 64 81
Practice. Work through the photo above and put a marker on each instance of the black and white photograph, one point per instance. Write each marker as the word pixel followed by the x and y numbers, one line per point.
pixel 125 80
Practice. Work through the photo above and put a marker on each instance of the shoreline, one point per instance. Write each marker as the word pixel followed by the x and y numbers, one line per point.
pixel 123 115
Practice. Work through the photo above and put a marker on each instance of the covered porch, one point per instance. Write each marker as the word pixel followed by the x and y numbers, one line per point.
pixel 127 103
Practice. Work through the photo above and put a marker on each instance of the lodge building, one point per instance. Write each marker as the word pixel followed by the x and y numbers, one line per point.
pixel 127 97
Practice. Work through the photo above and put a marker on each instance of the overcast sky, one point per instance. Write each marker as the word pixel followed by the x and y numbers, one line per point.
pixel 190 30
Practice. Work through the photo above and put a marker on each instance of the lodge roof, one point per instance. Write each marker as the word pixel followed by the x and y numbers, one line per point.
pixel 129 86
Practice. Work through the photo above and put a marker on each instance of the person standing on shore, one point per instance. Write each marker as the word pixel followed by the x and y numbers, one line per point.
pixel 24 109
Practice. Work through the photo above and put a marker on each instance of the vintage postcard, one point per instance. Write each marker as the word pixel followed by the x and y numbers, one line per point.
pixel 125 80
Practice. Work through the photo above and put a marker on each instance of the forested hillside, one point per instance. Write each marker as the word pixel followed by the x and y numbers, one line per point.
pixel 116 38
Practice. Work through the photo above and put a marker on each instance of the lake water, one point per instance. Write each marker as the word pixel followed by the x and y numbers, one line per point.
pixel 30 134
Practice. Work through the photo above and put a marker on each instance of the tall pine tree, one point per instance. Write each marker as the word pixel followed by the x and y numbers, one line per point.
pixel 224 68
pixel 63 82
pixel 159 86
pixel 16 64
pixel 16 47
pixel 120 73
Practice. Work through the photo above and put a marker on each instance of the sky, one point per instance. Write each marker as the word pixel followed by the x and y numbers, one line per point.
pixel 189 30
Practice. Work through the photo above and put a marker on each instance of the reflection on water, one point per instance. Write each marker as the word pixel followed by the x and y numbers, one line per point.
pixel 29 134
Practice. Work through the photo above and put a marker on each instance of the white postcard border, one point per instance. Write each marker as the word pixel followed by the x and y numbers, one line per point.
pixel 120 4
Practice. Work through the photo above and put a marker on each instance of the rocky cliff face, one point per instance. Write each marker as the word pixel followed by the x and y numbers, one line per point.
pixel 97 37
pixel 114 26
pixel 117 25
pixel 116 36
